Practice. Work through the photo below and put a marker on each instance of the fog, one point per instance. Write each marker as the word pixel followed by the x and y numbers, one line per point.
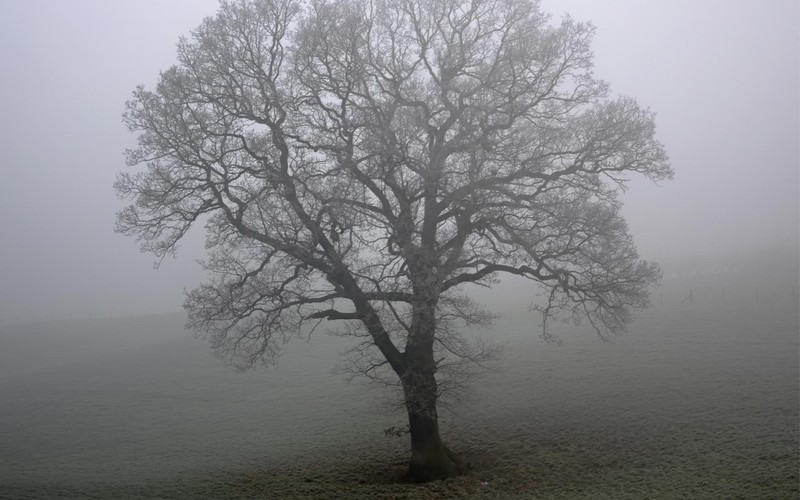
pixel 722 76
pixel 105 394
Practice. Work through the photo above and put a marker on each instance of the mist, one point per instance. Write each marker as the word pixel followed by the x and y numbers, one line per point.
pixel 721 76
pixel 77 299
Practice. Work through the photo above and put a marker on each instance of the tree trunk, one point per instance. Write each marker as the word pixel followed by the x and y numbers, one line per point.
pixel 430 458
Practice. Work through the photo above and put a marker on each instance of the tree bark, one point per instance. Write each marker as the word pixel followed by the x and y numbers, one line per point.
pixel 430 459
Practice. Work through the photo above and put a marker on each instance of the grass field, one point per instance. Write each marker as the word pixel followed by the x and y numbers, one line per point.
pixel 696 400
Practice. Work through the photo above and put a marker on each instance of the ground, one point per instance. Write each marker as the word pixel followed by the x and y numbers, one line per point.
pixel 696 400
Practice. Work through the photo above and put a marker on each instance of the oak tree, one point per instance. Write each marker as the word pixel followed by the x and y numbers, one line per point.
pixel 367 161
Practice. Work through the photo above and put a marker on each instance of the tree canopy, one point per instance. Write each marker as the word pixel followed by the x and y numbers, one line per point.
pixel 370 160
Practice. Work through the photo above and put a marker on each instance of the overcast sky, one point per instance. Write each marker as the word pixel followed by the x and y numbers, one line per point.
pixel 722 76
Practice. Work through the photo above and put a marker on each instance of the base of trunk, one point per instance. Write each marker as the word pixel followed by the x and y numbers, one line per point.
pixel 434 464
pixel 431 460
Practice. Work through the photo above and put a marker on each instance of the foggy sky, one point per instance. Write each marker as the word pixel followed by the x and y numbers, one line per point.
pixel 721 75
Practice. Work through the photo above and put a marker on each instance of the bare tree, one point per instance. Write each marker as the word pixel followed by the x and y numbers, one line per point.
pixel 367 160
